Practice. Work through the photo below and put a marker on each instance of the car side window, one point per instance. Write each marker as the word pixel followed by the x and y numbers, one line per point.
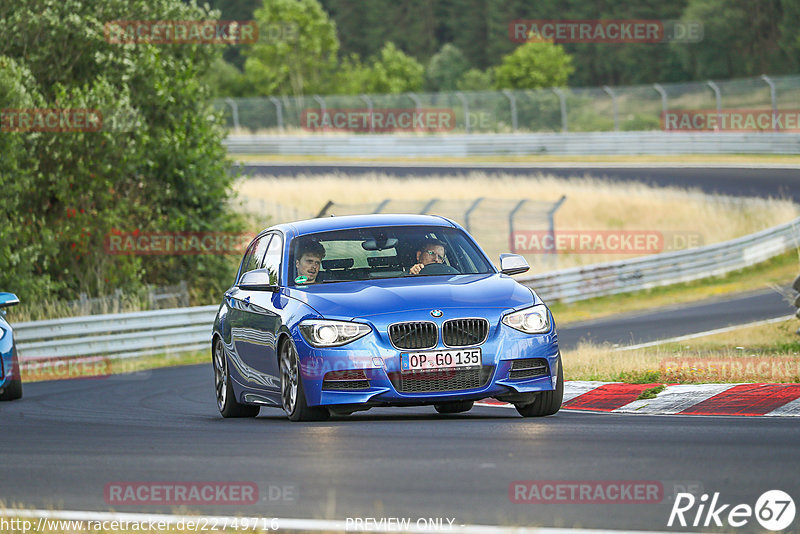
pixel 255 254
pixel 272 259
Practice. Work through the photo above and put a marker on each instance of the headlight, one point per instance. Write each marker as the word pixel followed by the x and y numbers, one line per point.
pixel 534 320
pixel 325 333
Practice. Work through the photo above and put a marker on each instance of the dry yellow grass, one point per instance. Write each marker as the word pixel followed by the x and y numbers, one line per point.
pixel 766 353
pixel 591 204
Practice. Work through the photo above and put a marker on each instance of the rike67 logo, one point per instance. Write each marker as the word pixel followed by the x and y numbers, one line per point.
pixel 774 510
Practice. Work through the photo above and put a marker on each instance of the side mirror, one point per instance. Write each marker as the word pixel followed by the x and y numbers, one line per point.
pixel 513 264
pixel 258 280
pixel 8 299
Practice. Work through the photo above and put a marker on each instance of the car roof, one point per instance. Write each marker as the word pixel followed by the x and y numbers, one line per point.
pixel 345 222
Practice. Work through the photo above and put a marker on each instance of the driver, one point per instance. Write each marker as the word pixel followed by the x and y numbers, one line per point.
pixel 430 251
pixel 309 257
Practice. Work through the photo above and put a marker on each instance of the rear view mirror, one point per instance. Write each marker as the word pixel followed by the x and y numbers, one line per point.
pixel 379 244
pixel 8 299
pixel 258 280
pixel 513 264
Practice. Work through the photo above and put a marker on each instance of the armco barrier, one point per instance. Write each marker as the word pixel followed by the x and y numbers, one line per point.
pixel 117 335
pixel 460 145
pixel 189 329
pixel 635 274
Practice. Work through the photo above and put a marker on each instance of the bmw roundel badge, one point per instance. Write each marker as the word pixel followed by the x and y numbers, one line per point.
pixel 436 313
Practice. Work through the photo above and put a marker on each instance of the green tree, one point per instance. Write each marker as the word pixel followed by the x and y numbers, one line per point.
pixel 740 38
pixel 157 163
pixel 476 80
pixel 445 69
pixel 393 71
pixel 533 65
pixel 300 61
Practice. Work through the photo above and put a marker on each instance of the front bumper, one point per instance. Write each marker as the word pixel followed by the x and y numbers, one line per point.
pixel 377 366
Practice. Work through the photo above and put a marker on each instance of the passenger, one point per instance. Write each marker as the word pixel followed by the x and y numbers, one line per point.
pixel 430 251
pixel 309 258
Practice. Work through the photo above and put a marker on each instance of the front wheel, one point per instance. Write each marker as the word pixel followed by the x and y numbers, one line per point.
pixel 546 402
pixel 13 389
pixel 293 396
pixel 226 398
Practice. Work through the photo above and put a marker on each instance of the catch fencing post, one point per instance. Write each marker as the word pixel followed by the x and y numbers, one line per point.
pixel 234 111
pixel 428 206
pixel 278 110
pixel 382 205
pixel 552 224
pixel 469 212
pixel 773 99
pixel 368 100
pixel 513 103
pixel 563 99
pixel 511 223
pixel 465 104
pixel 714 87
pixel 663 93
pixel 613 96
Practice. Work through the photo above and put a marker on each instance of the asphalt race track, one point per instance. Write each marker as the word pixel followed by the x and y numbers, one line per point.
pixel 678 320
pixel 65 441
pixel 764 182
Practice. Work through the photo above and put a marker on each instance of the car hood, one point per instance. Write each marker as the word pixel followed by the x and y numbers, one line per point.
pixel 375 297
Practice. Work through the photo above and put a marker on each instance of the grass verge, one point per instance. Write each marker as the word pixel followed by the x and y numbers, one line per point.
pixel 776 272
pixel 767 353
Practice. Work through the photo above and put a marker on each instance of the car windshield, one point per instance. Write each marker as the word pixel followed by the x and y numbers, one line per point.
pixel 384 252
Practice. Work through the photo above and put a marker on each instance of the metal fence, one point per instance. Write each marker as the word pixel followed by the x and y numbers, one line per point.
pixel 628 108
pixel 579 283
pixel 117 335
pixel 461 145
pixel 189 329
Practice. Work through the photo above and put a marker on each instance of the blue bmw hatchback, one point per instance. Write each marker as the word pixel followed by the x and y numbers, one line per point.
pixel 341 314
pixel 10 381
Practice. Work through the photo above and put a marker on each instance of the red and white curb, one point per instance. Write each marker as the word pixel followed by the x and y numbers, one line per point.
pixel 682 399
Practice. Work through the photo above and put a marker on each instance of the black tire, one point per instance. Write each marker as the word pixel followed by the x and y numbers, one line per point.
pixel 13 389
pixel 223 387
pixel 454 407
pixel 546 402
pixel 293 396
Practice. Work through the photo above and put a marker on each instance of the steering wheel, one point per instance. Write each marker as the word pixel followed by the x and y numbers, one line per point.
pixel 438 268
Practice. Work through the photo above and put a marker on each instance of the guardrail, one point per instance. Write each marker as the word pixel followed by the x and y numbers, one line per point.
pixel 189 329
pixel 615 143
pixel 117 335
pixel 578 283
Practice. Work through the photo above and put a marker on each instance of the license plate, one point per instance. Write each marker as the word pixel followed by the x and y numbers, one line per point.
pixel 439 359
